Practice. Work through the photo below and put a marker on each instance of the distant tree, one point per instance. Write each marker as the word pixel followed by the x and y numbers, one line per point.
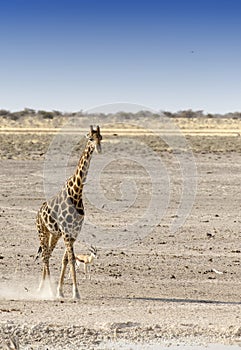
pixel 29 111
pixel 57 113
pixel 189 113
pixel 168 114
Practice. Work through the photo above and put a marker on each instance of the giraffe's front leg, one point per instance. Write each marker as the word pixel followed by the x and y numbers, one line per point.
pixel 71 258
pixel 62 274
pixel 76 294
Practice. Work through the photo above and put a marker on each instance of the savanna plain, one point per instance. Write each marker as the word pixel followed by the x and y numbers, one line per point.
pixel 150 284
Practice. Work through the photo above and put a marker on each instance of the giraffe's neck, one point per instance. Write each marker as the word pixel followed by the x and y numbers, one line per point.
pixel 77 180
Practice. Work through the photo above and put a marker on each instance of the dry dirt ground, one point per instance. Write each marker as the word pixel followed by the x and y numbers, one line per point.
pixel 161 286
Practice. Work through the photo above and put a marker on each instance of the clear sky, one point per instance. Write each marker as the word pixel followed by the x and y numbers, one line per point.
pixel 71 55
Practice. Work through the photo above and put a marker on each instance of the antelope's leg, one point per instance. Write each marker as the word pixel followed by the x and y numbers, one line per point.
pixel 89 271
pixel 85 270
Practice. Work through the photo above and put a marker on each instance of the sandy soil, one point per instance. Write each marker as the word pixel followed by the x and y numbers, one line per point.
pixel 164 288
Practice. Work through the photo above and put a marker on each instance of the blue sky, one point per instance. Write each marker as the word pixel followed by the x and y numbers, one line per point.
pixel 75 55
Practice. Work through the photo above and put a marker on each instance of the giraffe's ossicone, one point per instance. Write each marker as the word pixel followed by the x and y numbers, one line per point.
pixel 63 215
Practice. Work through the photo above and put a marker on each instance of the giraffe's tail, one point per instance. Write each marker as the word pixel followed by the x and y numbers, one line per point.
pixel 38 253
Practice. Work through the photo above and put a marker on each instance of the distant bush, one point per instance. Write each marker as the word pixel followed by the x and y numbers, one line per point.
pixel 14 116
pixel 189 113
pixel 168 114
pixel 46 115
pixel 234 115
pixel 4 112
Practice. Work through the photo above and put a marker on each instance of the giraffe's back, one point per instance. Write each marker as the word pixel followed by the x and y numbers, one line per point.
pixel 62 214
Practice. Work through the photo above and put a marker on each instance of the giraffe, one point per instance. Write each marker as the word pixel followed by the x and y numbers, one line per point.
pixel 63 215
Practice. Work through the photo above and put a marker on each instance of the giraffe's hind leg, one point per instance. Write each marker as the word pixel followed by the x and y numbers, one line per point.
pixel 44 236
pixel 44 239
pixel 48 242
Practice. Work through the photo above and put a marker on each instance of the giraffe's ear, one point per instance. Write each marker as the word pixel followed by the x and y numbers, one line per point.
pixel 90 133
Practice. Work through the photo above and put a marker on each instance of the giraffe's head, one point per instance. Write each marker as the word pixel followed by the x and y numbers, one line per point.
pixel 95 138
